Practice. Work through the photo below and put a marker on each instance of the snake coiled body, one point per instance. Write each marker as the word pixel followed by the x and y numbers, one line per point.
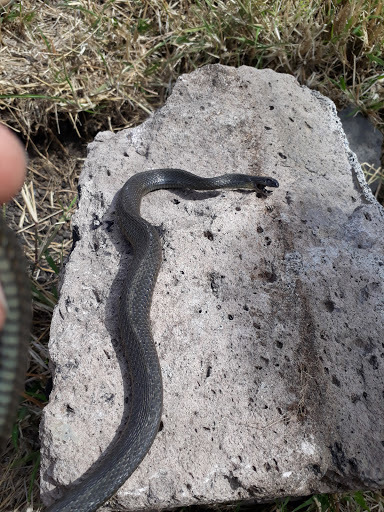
pixel 14 335
pixel 113 469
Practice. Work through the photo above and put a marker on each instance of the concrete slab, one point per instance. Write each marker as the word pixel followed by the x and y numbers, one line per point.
pixel 364 140
pixel 268 314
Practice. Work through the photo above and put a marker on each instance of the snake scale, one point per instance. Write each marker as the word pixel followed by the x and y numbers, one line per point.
pixel 108 474
pixel 14 336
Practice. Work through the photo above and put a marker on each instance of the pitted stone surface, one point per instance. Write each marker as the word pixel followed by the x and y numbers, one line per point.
pixel 268 313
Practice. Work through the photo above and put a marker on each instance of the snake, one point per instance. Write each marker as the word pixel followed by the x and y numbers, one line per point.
pixel 114 467
pixel 14 335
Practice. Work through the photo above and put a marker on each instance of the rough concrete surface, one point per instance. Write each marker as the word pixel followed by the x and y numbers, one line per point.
pixel 364 140
pixel 268 314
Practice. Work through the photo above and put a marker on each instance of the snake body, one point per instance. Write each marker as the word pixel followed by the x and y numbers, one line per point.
pixel 138 434
pixel 14 336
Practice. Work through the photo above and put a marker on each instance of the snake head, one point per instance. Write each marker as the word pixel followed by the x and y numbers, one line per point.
pixel 263 182
pixel 271 182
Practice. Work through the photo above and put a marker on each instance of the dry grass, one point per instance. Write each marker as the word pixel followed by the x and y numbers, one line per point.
pixel 69 68
pixel 117 60
pixel 41 214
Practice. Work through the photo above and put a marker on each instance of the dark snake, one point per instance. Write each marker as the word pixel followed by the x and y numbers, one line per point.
pixel 109 473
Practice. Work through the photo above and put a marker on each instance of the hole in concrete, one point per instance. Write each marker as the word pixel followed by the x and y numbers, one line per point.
pixel 373 362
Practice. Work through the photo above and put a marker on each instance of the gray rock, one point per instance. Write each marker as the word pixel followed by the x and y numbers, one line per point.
pixel 364 140
pixel 268 314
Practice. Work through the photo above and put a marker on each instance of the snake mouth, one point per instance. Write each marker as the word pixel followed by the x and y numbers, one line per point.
pixel 261 191
pixel 271 182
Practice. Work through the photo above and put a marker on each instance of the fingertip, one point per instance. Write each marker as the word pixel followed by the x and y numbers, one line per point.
pixel 12 164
